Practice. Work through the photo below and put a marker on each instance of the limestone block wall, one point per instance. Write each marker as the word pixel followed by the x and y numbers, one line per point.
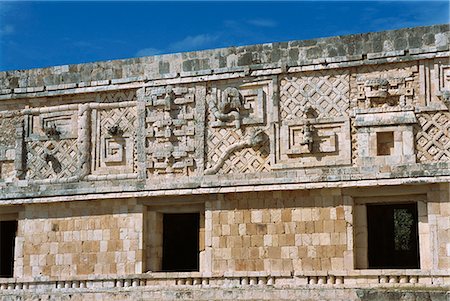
pixel 79 239
pixel 280 232
pixel 438 217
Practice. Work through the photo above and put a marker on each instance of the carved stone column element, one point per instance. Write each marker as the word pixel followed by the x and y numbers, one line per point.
pixel 84 140
pixel 140 134
pixel 20 151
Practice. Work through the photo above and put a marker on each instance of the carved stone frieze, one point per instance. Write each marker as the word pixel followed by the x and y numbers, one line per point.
pixel 237 112
pixel 171 130
pixel 9 126
pixel 444 84
pixel 51 144
pixel 433 137
pixel 113 138
pixel 326 92
pixel 313 142
pixel 386 86
pixel 314 127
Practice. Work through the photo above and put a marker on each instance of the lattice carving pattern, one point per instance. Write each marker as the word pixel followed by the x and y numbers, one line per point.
pixel 126 119
pixel 328 93
pixel 7 129
pixel 433 137
pixel 64 151
pixel 119 96
pixel 247 160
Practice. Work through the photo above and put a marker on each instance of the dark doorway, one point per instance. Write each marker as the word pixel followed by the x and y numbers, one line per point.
pixel 7 241
pixel 181 242
pixel 393 240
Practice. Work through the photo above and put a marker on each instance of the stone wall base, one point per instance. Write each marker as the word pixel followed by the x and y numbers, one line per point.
pixel 248 294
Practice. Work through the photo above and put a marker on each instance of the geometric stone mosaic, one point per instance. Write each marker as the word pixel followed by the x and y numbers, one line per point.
pixel 52 159
pixel 326 92
pixel 247 160
pixel 433 138
pixel 115 152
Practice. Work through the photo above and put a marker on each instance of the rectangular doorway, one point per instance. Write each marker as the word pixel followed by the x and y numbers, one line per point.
pixel 180 242
pixel 8 231
pixel 393 239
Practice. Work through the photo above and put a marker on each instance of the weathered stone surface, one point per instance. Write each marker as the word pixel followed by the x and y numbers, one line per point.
pixel 279 148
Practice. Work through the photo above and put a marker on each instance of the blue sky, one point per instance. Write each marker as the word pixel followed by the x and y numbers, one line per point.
pixel 41 34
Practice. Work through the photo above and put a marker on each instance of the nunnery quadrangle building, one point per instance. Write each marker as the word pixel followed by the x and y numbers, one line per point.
pixel 304 170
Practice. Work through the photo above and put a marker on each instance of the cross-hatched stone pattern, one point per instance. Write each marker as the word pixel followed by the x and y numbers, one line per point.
pixel 125 118
pixel 247 160
pixel 65 151
pixel 433 138
pixel 327 92
pixel 7 129
pixel 125 95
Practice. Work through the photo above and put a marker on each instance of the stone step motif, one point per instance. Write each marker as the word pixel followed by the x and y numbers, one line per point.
pixel 171 130
pixel 387 86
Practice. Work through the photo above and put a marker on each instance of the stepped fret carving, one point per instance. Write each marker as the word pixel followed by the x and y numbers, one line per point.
pixel 444 85
pixel 115 153
pixel 170 125
pixel 327 92
pixel 386 86
pixel 433 137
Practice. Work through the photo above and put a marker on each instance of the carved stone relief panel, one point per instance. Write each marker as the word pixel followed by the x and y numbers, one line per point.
pixel 443 78
pixel 9 125
pixel 171 130
pixel 313 142
pixel 51 143
pixel 386 86
pixel 326 92
pixel 433 137
pixel 116 96
pixel 314 127
pixel 236 141
pixel 113 138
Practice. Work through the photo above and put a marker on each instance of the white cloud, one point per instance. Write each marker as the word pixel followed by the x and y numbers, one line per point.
pixel 6 29
pixel 148 52
pixel 194 42
pixel 262 23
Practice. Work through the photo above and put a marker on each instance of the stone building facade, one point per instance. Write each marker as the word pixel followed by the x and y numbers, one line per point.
pixel 314 170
